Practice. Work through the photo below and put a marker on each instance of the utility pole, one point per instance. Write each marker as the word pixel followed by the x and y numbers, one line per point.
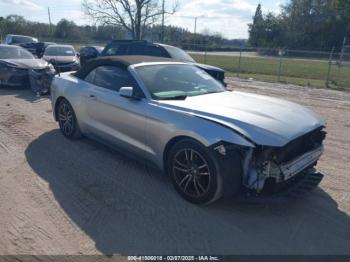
pixel 195 25
pixel 195 32
pixel 1 28
pixel 163 14
pixel 49 14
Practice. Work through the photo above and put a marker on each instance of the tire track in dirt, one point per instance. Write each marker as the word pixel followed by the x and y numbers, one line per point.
pixel 11 125
pixel 16 137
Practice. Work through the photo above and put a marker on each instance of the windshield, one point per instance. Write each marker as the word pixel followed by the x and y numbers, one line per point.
pixel 177 81
pixel 60 51
pixel 14 53
pixel 23 39
pixel 179 54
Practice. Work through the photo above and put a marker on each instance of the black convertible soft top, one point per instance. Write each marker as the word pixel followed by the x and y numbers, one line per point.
pixel 122 61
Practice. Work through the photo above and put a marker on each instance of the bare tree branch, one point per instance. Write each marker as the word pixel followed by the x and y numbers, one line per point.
pixel 134 15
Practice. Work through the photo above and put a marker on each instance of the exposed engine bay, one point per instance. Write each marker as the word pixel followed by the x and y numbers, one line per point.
pixel 266 167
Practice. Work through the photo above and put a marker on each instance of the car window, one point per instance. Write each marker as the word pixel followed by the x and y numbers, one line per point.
pixel 60 51
pixel 83 51
pixel 157 51
pixel 99 49
pixel 87 51
pixel 179 54
pixel 91 77
pixel 92 51
pixel 116 50
pixel 137 50
pixel 113 78
pixel 23 39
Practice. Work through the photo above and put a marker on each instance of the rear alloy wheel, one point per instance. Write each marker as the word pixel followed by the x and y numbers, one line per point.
pixel 194 172
pixel 67 120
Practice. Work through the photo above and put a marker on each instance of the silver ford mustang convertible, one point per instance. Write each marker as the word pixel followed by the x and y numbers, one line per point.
pixel 212 142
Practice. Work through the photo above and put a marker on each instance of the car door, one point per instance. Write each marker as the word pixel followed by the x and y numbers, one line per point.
pixel 117 119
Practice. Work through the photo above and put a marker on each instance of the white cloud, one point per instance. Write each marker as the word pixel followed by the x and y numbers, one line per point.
pixel 229 17
pixel 27 4
pixel 215 8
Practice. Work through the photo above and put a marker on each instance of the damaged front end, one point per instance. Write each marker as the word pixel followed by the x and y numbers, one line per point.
pixel 270 170
pixel 40 79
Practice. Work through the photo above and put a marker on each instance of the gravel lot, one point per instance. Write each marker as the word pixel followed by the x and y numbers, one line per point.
pixel 64 197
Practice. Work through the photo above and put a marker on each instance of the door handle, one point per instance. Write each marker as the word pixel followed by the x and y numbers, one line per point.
pixel 92 97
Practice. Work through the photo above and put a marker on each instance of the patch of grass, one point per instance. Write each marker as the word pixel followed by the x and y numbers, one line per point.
pixel 295 71
pixel 285 80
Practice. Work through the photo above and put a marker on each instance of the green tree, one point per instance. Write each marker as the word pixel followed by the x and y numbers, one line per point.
pixel 67 29
pixel 256 29
pixel 303 24
pixel 274 31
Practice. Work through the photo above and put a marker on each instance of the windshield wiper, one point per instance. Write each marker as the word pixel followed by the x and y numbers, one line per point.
pixel 183 97
pixel 211 92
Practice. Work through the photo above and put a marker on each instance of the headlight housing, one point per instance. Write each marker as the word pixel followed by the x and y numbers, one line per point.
pixel 50 67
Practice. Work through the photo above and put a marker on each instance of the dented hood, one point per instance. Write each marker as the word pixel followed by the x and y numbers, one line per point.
pixel 264 120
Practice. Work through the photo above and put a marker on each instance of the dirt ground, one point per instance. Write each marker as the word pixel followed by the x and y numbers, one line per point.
pixel 64 197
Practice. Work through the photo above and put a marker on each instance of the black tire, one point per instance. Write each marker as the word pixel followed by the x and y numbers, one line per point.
pixel 213 181
pixel 67 120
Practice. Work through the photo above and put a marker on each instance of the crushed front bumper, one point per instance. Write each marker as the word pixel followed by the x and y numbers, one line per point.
pixel 14 78
pixel 293 189
pixel 40 80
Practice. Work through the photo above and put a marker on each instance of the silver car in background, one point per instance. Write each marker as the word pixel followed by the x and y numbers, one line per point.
pixel 19 68
pixel 212 142
pixel 63 57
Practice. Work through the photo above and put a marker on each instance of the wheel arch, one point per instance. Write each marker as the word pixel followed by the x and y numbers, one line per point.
pixel 172 142
pixel 213 146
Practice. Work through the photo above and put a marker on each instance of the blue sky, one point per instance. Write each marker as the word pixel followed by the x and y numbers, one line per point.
pixel 229 17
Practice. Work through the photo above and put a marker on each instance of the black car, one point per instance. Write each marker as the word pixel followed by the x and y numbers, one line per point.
pixel 139 47
pixel 89 52
pixel 37 49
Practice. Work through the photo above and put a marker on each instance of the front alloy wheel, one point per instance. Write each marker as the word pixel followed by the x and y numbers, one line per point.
pixel 191 172
pixel 67 120
pixel 194 172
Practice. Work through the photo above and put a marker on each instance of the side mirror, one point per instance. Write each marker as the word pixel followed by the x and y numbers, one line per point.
pixel 78 55
pixel 127 92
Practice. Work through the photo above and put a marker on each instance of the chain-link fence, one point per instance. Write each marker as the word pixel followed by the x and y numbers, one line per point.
pixel 309 68
pixel 300 67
